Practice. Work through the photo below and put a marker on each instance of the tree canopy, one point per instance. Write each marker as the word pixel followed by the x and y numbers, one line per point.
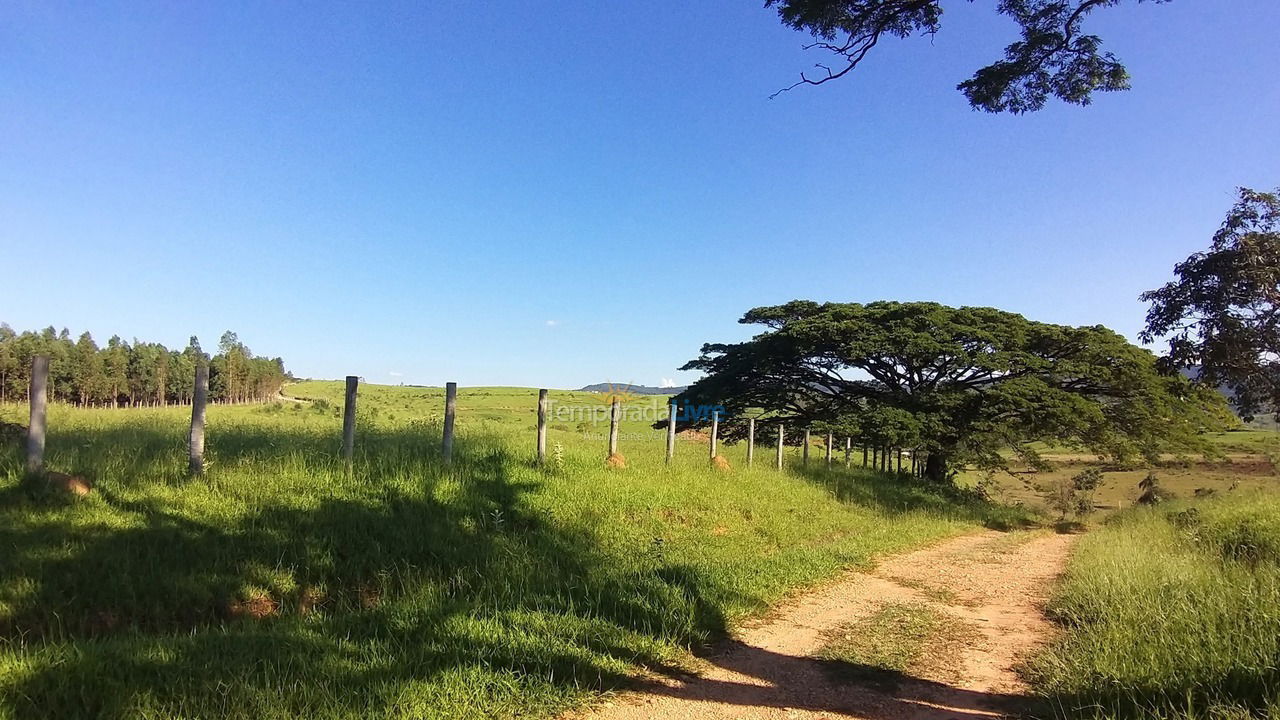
pixel 1054 57
pixel 138 373
pixel 1222 315
pixel 960 384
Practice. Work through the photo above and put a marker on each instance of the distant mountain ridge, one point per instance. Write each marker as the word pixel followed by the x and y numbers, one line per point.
pixel 634 389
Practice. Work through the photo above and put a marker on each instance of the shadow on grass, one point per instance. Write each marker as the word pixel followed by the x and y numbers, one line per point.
pixel 405 583
pixel 831 686
pixel 894 493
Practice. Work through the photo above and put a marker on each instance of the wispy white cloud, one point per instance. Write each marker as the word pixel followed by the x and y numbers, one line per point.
pixel 393 373
pixel 667 383
pixel 552 323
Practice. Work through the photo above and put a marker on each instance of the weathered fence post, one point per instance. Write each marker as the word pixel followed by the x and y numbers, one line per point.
pixel 450 414
pixel 671 433
pixel 614 409
pixel 715 431
pixel 195 441
pixel 848 452
pixel 781 431
pixel 39 398
pixel 751 441
pixel 542 426
pixel 349 419
pixel 830 441
pixel 899 459
pixel 804 453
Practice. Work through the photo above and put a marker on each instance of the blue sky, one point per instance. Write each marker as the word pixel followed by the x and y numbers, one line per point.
pixel 555 194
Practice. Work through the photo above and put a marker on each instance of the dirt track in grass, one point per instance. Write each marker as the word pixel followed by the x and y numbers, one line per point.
pixel 994 582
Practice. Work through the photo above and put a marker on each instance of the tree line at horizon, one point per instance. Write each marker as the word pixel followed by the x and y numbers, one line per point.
pixel 137 374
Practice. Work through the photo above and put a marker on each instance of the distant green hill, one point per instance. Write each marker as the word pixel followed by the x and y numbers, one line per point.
pixel 636 389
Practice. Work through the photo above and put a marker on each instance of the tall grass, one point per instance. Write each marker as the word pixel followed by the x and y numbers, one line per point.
pixel 279 585
pixel 1171 612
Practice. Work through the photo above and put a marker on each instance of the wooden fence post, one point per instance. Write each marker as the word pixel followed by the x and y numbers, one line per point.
pixel 542 426
pixel 899 459
pixel 450 414
pixel 195 441
pixel 715 431
pixel 848 452
pixel 830 441
pixel 751 441
pixel 38 397
pixel 781 431
pixel 349 419
pixel 804 453
pixel 614 412
pixel 671 433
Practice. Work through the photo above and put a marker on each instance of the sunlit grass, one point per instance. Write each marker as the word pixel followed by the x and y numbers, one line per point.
pixel 1171 612
pixel 280 585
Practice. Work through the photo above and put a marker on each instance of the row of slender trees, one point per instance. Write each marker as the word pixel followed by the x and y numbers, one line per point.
pixel 123 374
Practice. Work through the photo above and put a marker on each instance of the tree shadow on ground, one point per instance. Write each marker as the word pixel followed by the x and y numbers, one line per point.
pixel 761 678
pixel 897 493
pixel 129 602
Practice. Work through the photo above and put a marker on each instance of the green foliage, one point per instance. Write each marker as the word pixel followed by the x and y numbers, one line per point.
pixel 1053 58
pixel 278 585
pixel 1152 492
pixel 1220 314
pixel 132 374
pixel 1087 480
pixel 1163 618
pixel 963 384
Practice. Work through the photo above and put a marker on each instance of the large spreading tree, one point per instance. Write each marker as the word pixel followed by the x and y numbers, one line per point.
pixel 1222 315
pixel 960 385
pixel 1054 57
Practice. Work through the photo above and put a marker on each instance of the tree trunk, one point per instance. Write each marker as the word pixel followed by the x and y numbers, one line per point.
pixel 935 468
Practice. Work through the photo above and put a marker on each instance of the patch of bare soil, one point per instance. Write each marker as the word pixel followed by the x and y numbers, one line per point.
pixel 996 582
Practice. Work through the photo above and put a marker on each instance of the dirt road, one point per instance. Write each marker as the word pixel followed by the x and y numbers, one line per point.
pixel 993 583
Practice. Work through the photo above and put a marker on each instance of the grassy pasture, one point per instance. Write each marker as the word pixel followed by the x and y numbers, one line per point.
pixel 1170 612
pixel 279 585
pixel 1244 460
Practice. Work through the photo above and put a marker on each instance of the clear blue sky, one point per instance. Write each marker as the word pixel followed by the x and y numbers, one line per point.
pixel 553 194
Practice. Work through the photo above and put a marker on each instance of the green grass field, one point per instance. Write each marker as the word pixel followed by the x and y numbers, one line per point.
pixel 1244 459
pixel 1170 612
pixel 278 585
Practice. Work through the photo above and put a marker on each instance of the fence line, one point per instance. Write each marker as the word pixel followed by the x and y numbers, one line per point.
pixel 195 439
pixel 671 433
pixel 38 393
pixel 781 434
pixel 349 419
pixel 615 409
pixel 881 457
pixel 715 432
pixel 450 413
pixel 542 426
